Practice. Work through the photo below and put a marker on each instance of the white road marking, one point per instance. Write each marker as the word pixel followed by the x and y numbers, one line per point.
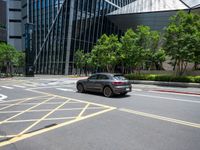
pixel 2 97
pixel 171 99
pixel 20 86
pixel 138 90
pixel 29 85
pixel 62 89
pixel 7 87
pixel 163 118
pixel 175 93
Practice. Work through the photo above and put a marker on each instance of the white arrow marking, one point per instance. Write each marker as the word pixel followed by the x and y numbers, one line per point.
pixel 2 97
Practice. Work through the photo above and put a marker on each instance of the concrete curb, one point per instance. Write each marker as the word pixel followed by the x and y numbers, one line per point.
pixel 173 84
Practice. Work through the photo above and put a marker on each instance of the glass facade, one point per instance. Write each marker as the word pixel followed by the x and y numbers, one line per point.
pixel 3 28
pixel 63 26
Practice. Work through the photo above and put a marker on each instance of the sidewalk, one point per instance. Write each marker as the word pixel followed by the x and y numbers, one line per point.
pixel 168 84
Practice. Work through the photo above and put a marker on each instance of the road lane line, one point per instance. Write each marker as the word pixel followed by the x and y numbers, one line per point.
pixel 171 99
pixel 49 103
pixel 14 100
pixel 68 90
pixel 148 115
pixel 160 92
pixel 81 101
pixel 26 110
pixel 7 136
pixel 11 105
pixel 7 87
pixel 44 110
pixel 44 117
pixel 20 86
pixel 84 109
pixel 28 135
pixel 33 120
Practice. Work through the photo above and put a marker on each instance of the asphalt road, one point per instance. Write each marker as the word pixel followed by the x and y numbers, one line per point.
pixel 48 114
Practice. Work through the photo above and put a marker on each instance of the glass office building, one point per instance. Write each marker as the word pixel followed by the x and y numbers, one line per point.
pixel 63 26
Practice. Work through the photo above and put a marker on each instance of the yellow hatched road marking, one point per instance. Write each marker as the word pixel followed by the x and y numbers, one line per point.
pixel 32 120
pixel 10 101
pixel 43 110
pixel 7 136
pixel 34 124
pixel 24 135
pixel 84 109
pixel 28 135
pixel 26 110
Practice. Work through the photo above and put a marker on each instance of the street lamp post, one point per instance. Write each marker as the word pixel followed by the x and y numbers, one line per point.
pixel 29 64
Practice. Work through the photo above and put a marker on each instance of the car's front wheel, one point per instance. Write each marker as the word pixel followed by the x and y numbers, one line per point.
pixel 107 92
pixel 80 88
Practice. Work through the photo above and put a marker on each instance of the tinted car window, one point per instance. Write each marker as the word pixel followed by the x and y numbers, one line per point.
pixel 93 77
pixel 119 77
pixel 102 77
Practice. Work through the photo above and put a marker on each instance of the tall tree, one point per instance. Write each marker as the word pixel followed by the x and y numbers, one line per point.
pixel 8 56
pixel 104 53
pixel 79 60
pixel 126 53
pixel 182 40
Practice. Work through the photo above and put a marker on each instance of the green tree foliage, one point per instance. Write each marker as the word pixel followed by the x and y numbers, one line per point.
pixel 104 53
pixel 127 54
pixel 10 57
pixel 79 60
pixel 182 40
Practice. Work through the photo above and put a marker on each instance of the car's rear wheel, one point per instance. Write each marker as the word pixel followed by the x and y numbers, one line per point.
pixel 107 92
pixel 80 88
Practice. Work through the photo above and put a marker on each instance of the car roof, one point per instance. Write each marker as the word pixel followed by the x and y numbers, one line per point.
pixel 109 74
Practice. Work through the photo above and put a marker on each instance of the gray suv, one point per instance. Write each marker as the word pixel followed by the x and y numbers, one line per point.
pixel 106 83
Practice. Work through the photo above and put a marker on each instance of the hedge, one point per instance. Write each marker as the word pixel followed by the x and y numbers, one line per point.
pixel 166 78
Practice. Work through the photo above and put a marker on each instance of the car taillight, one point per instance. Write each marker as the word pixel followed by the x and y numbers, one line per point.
pixel 118 83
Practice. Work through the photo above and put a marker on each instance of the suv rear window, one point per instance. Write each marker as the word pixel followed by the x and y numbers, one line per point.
pixel 119 77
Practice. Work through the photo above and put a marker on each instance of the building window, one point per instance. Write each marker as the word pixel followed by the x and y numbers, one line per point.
pixel 14 20
pixel 15 37
pixel 14 9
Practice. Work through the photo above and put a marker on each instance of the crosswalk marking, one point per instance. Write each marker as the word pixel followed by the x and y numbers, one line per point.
pixel 7 87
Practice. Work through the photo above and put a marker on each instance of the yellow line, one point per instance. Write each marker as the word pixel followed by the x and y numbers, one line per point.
pixel 26 110
pixel 47 119
pixel 50 103
pixel 16 103
pixel 10 101
pixel 84 109
pixel 81 101
pixel 43 110
pixel 34 124
pixel 186 123
pixel 28 135
pixel 7 136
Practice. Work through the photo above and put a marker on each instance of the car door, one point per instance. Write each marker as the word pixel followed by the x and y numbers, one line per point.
pixel 90 85
pixel 101 81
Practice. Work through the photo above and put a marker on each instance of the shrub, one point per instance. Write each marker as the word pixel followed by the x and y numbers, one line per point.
pixel 166 78
pixel 197 79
